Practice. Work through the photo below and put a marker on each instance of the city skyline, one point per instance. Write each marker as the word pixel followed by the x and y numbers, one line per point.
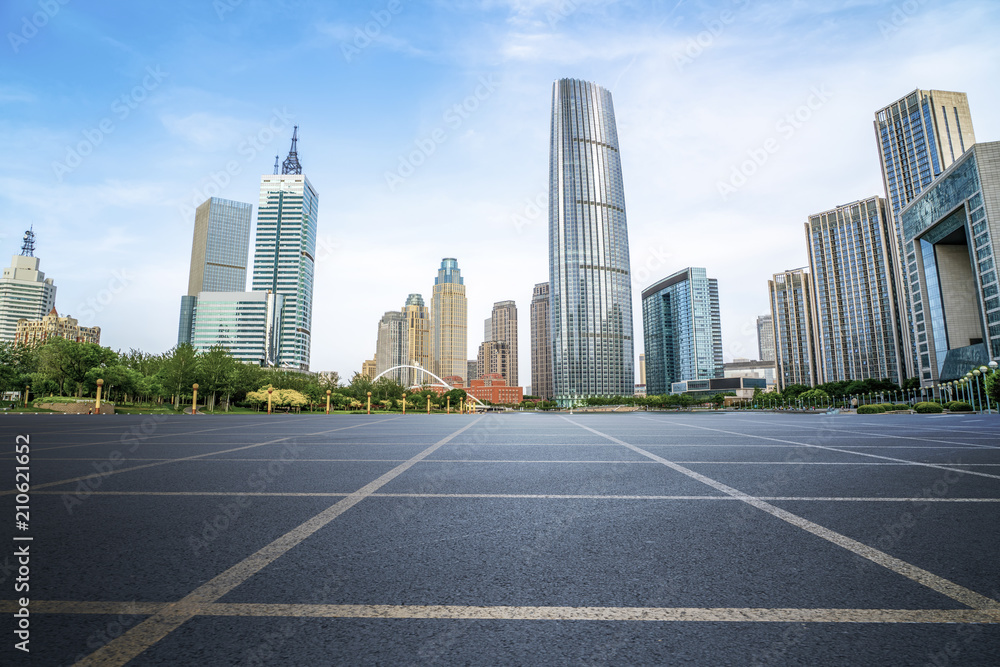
pixel 181 122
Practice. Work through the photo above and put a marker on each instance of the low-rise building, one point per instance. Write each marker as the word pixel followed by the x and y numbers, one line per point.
pixel 492 388
pixel 743 387
pixel 53 326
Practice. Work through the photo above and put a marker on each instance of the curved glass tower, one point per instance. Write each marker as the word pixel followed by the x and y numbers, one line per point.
pixel 589 274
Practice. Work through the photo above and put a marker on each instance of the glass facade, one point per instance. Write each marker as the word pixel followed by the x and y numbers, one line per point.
pixel 449 322
pixel 589 270
pixel 284 258
pixel 851 261
pixel 245 323
pixel 682 330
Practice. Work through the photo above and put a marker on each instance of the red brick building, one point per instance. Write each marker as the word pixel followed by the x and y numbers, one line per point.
pixel 492 388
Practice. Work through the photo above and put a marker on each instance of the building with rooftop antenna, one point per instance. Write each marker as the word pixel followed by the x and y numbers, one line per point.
pixel 25 292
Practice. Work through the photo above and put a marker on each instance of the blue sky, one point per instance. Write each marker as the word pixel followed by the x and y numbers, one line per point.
pixel 173 102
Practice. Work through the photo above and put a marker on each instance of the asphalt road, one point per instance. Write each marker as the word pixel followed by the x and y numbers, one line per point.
pixel 529 539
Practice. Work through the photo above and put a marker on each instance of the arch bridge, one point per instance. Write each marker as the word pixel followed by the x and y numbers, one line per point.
pixel 439 383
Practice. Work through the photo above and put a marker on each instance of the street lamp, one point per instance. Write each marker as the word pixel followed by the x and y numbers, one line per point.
pixel 404 403
pixel 327 401
pixel 97 404
pixel 194 399
pixel 979 399
pixel 369 402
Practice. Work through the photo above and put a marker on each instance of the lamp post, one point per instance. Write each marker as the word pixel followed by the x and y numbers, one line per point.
pixel 97 403
pixel 979 399
pixel 449 405
pixel 404 403
pixel 27 389
pixel 194 399
pixel 428 405
pixel 327 401
pixel 270 390
pixel 369 402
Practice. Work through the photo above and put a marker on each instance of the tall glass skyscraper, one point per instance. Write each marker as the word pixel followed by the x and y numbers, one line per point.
pixel 794 330
pixel 682 330
pixel 219 253
pixel 919 136
pixel 449 322
pixel 285 252
pixel 589 271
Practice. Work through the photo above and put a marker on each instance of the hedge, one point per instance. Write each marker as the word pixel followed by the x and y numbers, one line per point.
pixel 958 406
pixel 874 409
pixel 927 408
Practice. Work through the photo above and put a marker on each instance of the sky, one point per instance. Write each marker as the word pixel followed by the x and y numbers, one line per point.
pixel 424 128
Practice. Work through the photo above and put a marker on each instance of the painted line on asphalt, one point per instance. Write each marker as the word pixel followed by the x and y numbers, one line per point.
pixel 940 584
pixel 506 613
pixel 139 638
pixel 881 434
pixel 936 466
pixel 184 458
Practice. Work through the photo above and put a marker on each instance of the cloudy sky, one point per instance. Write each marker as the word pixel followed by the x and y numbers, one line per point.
pixel 424 127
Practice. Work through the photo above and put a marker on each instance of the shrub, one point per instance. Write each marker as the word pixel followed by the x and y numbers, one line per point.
pixel 870 409
pixel 927 408
pixel 958 406
pixel 898 406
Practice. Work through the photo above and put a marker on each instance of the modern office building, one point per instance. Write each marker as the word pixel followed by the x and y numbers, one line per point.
pixel 248 324
pixel 392 349
pixel 473 369
pixel 418 338
pixel 449 322
pixel 953 227
pixel 854 297
pixel 750 368
pixel 541 343
pixel 919 136
pixel 220 250
pixel 493 358
pixel 794 339
pixel 25 292
pixel 285 252
pixel 503 325
pixel 742 387
pixel 589 270
pixel 682 330
pixel 53 326
pixel 765 338
pixel 488 329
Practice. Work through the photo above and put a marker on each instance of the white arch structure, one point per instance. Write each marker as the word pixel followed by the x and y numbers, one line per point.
pixel 440 382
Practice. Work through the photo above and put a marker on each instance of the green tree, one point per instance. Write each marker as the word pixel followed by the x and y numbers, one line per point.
pixel 179 372
pixel 67 362
pixel 216 373
pixel 17 364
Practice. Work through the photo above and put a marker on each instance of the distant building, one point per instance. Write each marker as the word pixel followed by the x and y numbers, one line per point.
pixel 493 358
pixel 954 229
pixel 473 369
pixel 503 325
pixel 248 324
pixel 25 292
pixel 682 330
pixel 449 321
pixel 742 387
pixel 851 264
pixel 640 390
pixel 765 370
pixel 418 338
pixel 765 338
pixel 488 329
pixel 368 369
pixel 541 343
pixel 794 337
pixel 391 348
pixel 219 255
pixel 53 326
pixel 642 369
pixel 492 388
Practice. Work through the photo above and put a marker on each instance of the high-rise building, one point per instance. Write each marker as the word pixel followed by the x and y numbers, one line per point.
pixel 642 369
pixel 488 329
pixel 473 369
pixel 25 292
pixel 503 324
pixel 220 250
pixel 589 271
pixel 449 321
pixel 53 326
pixel 794 338
pixel 541 343
pixel 954 228
pixel 682 330
pixel 765 338
pixel 418 338
pixel 368 369
pixel 919 136
pixel 493 359
pixel 392 349
pixel 851 263
pixel 248 324
pixel 285 252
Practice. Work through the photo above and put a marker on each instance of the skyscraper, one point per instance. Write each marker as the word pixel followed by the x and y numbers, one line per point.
pixel 248 324
pixel 794 338
pixel 391 348
pixel 449 321
pixel 493 357
pixel 418 338
pixel 589 271
pixel 765 338
pixel 682 330
pixel 285 251
pixel 919 136
pixel 219 254
pixel 851 262
pixel 541 343
pixel 503 324
pixel 25 292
